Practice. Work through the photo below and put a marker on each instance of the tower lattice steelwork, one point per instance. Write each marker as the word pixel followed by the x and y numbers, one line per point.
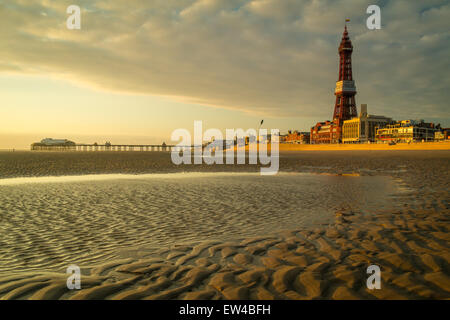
pixel 345 106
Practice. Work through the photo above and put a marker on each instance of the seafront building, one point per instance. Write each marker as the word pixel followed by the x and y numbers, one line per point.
pixel 406 131
pixel 362 129
pixel 295 137
pixel 53 144
pixel 442 134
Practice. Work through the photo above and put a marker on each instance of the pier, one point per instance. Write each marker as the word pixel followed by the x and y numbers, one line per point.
pixel 123 147
pixel 49 144
pixel 107 147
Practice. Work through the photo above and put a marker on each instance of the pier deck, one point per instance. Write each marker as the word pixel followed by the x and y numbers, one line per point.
pixel 106 147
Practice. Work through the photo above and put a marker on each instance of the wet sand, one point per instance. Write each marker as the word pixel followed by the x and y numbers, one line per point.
pixel 410 242
pixel 368 162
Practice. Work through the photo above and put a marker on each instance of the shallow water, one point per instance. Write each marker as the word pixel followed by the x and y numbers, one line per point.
pixel 49 223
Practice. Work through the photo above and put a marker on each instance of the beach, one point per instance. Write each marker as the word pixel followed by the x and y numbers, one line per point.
pixel 317 247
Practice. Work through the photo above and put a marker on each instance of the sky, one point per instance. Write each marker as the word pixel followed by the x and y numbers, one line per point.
pixel 139 69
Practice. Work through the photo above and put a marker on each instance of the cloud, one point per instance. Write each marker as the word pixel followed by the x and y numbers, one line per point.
pixel 271 57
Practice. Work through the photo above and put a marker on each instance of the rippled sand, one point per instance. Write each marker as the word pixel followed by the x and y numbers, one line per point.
pixel 324 263
pixel 48 223
pixel 322 252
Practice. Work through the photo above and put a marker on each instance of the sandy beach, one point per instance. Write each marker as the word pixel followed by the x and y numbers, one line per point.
pixel 407 234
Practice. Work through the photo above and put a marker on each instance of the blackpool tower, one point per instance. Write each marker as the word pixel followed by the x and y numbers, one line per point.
pixel 345 106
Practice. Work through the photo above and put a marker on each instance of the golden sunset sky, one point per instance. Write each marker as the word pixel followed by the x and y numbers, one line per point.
pixel 137 70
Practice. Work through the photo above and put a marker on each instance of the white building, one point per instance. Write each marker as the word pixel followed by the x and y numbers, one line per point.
pixel 362 129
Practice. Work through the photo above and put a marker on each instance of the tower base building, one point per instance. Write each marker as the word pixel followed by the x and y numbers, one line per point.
pixel 363 129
